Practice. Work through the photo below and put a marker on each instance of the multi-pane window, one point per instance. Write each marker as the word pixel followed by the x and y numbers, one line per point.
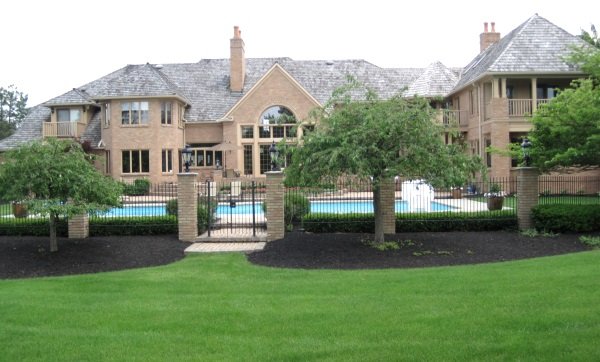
pixel 68 115
pixel 166 113
pixel 248 164
pixel 277 122
pixel 106 114
pixel 247 131
pixel 181 114
pixel 134 113
pixel 207 158
pixel 488 154
pixel 135 161
pixel 265 159
pixel 167 161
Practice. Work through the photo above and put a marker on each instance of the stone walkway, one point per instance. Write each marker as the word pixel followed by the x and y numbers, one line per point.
pixel 224 247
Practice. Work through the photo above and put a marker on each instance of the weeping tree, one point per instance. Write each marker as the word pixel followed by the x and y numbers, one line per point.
pixel 378 139
pixel 53 178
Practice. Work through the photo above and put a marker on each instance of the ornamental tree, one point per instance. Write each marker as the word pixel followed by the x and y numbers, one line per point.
pixel 378 139
pixel 56 178
pixel 566 131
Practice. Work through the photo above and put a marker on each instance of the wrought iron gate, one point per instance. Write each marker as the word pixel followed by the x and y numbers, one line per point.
pixel 231 208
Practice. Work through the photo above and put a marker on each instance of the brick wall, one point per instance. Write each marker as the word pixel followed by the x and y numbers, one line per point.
pixel 79 226
pixel 528 194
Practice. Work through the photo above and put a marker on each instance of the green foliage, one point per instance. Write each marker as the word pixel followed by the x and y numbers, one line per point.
pixel 171 207
pixel 384 246
pixel 592 241
pixel 139 225
pixel 407 222
pixel 32 227
pixel 13 108
pixel 203 215
pixel 566 218
pixel 566 131
pixel 139 187
pixel 52 178
pixel 295 206
pixel 591 37
pixel 379 139
pixel 534 233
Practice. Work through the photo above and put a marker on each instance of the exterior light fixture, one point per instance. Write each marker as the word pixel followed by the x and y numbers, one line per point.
pixel 525 146
pixel 274 153
pixel 186 154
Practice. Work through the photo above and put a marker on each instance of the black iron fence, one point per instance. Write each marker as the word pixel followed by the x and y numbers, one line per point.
pixel 350 203
pixel 568 189
pixel 231 208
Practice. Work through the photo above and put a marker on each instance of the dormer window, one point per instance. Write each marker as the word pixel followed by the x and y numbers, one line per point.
pixel 68 115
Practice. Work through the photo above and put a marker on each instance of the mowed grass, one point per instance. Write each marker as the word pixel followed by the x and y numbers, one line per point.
pixel 220 307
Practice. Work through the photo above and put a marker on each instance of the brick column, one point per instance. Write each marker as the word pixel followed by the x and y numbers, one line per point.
pixel 527 195
pixel 275 206
pixel 388 205
pixel 187 206
pixel 79 226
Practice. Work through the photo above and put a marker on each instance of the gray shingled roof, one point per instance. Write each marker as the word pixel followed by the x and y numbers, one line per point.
pixel 31 128
pixel 74 96
pixel 206 83
pixel 536 46
pixel 436 81
pixel 133 80
pixel 93 131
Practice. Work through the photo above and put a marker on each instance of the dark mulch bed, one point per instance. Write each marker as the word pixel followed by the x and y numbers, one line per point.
pixel 348 251
pixel 28 256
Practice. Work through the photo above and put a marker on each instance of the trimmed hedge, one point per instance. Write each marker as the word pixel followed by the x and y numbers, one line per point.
pixel 405 222
pixel 32 227
pixel 566 218
pixel 139 187
pixel 295 206
pixel 140 225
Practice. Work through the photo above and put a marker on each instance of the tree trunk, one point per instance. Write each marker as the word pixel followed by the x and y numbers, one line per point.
pixel 53 242
pixel 379 235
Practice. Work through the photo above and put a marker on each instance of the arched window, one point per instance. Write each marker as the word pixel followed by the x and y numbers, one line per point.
pixel 277 122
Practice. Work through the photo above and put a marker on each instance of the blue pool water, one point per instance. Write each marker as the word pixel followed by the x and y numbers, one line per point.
pixel 335 207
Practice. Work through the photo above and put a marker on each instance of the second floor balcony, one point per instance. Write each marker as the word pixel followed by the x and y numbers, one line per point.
pixel 453 117
pixel 63 129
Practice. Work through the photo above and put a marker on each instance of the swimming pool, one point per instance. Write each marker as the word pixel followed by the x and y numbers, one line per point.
pixel 333 207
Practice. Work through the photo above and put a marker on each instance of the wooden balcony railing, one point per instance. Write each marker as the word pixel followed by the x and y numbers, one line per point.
pixel 523 107
pixel 63 129
pixel 453 117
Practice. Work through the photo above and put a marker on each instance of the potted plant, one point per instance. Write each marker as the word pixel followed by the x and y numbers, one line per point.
pixel 19 209
pixel 495 197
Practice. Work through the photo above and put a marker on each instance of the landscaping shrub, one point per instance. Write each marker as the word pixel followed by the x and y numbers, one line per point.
pixel 171 207
pixel 139 187
pixel 566 218
pixel 406 222
pixel 203 213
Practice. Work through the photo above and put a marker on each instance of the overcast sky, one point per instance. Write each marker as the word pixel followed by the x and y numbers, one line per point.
pixel 49 47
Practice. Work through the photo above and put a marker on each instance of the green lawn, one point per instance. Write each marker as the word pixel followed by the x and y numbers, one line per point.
pixel 219 307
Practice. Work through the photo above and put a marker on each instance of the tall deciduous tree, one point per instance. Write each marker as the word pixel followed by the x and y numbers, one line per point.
pixel 378 139
pixel 53 178
pixel 12 110
pixel 566 131
pixel 591 36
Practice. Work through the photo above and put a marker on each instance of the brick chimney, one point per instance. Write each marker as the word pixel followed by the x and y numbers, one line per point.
pixel 488 38
pixel 237 61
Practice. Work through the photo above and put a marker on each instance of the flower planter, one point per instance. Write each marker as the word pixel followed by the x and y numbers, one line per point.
pixel 19 210
pixel 495 203
pixel 457 193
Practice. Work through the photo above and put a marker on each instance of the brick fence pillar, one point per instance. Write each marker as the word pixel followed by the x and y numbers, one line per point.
pixel 79 226
pixel 275 206
pixel 388 205
pixel 527 195
pixel 187 206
